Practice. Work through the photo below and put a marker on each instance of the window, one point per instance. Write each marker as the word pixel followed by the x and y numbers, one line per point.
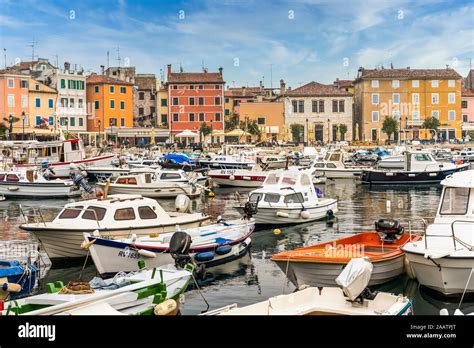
pixel 464 104
pixel 217 100
pixel 96 104
pixel 37 87
pixel 422 157
pixel 146 213
pixel 89 213
pixel 63 84
pixel 175 101
pixel 455 201
pixel 330 165
pixel 294 103
pixel 226 112
pixel 217 87
pixel 416 115
pixel 170 176
pixel 71 102
pixel 301 106
pixel 415 83
pixel 141 96
pixel 434 98
pixel 80 103
pixel 255 197
pixel 191 101
pixel 164 118
pixel 375 98
pixel 415 98
pixel 435 113
pixel 451 83
pixel 273 178
pixel 375 84
pixel 294 198
pixel 314 106
pixel 24 101
pixel 218 116
pixel 12 177
pixel 96 89
pixel 261 120
pixel 464 118
pixel 375 116
pixel 201 117
pixel 69 84
pixel 272 198
pixel 71 213
pixel 38 120
pixel 122 122
pixel 11 100
pixel 112 121
pixel 124 214
pixel 191 86
pixel 164 102
pixel 72 122
pixel 396 115
pixel 175 117
pixel 51 120
pixel 112 104
pixel 395 98
pixel 227 100
pixel 200 86
pixel 191 117
pixel 122 105
pixel 341 105
pixel 112 89
pixel 451 98
pixel 451 115
pixel 201 101
pixel 152 110
pixel 24 84
pixel 321 106
pixel 38 102
pixel 175 86
pixel 395 83
pixel 51 103
pixel 63 121
pixel 434 83
pixel 334 106
pixel 81 122
pixel 123 90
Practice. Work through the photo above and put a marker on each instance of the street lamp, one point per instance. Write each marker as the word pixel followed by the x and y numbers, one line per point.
pixel 329 131
pixel 98 123
pixel 10 120
pixel 307 134
pixel 23 118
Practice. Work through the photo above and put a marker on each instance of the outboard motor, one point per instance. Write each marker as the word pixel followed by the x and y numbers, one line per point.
pixel 80 180
pixel 390 229
pixel 250 209
pixel 180 244
pixel 354 279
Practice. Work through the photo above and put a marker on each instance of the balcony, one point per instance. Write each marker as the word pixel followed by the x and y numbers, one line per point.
pixel 414 122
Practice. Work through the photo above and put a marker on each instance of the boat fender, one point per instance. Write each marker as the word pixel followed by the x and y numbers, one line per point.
pixel 168 307
pixel 282 214
pixel 11 287
pixel 305 214
pixel 223 249
pixel 204 256
pixel 146 253
pixel 231 178
pixel 13 188
pixel 182 203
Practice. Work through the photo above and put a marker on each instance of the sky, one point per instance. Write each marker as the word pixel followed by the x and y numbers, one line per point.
pixel 262 40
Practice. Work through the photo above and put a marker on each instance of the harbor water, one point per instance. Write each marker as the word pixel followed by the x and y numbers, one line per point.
pixel 255 277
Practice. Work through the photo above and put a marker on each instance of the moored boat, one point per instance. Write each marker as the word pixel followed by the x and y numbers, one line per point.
pixel 237 177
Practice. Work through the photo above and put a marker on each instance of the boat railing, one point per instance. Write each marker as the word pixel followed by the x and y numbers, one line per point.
pixel 452 236
pixel 38 216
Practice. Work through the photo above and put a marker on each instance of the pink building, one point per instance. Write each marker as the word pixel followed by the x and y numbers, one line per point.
pixel 467 110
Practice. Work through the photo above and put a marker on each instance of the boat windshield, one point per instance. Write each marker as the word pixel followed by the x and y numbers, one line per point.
pixel 289 178
pixel 254 197
pixel 71 213
pixel 294 198
pixel 273 179
pixel 422 157
pixel 334 157
pixel 305 180
pixel 455 201
pixel 272 198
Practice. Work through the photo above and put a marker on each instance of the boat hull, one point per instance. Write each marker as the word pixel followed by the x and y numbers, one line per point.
pixel 43 190
pixel 338 173
pixel 165 191
pixel 61 170
pixel 231 180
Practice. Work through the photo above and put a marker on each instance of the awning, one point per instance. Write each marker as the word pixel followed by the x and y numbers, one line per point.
pixel 237 133
pixel 186 134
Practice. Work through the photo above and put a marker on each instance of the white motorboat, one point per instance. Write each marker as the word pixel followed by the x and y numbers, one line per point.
pixel 227 162
pixel 134 293
pixel 34 183
pixel 149 184
pixel 392 162
pixel 351 298
pixel 334 167
pixel 443 259
pixel 209 245
pixel 116 216
pixel 269 162
pixel 466 155
pixel 288 197
pixel 237 177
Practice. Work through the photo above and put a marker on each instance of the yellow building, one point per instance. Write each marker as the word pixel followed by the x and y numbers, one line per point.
pixel 162 104
pixel 410 96
pixel 270 117
pixel 41 105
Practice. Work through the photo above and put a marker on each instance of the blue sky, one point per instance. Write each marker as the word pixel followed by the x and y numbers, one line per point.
pixel 299 40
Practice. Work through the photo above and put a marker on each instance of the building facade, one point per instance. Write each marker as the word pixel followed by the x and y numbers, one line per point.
pixel 467 110
pixel 270 117
pixel 110 105
pixel 320 110
pixel 42 106
pixel 410 96
pixel 146 103
pixel 193 99
pixel 162 105
pixel 14 93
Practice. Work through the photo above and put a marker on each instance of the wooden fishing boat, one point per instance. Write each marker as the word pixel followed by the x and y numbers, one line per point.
pixel 320 264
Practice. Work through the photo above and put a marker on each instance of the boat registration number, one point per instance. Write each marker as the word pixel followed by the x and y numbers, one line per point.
pixel 127 253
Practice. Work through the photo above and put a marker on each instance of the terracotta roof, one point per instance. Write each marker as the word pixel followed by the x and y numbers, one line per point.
pixel 244 91
pixel 316 89
pixel 195 78
pixel 467 92
pixel 408 73
pixel 13 72
pixel 93 79
pixel 24 65
pixel 146 82
pixel 344 83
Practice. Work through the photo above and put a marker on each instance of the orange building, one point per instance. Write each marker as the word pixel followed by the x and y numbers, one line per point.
pixel 109 104
pixel 13 98
pixel 270 117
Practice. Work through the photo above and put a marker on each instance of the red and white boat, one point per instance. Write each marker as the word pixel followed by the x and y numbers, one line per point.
pixel 59 155
pixel 237 177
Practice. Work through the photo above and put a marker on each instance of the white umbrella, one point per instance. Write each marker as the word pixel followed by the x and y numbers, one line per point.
pixel 187 134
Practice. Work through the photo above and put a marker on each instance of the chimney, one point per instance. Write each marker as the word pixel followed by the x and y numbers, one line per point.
pixel 408 68
pixel 282 86
pixel 169 72
pixel 220 71
pixel 244 91
pixel 67 66
pixel 102 67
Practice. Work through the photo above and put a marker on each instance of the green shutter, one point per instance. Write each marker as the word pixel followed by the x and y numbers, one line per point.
pixel 63 83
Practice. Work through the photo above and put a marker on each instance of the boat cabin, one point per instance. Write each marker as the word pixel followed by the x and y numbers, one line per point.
pixel 420 161
pixel 457 198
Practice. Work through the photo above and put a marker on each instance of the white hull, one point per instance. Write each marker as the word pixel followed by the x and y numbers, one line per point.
pixel 62 170
pixel 39 190
pixel 338 173
pixel 237 183
pixel 159 191
pixel 450 279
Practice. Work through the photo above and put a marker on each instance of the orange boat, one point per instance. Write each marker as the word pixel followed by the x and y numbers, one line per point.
pixel 319 265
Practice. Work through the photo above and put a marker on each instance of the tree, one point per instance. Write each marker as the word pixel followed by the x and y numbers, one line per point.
pixel 11 122
pixel 343 130
pixel 231 121
pixel 204 131
pixel 431 123
pixel 250 126
pixel 389 126
pixel 3 129
pixel 296 130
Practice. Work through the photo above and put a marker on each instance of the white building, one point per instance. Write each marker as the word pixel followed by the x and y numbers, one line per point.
pixel 320 110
